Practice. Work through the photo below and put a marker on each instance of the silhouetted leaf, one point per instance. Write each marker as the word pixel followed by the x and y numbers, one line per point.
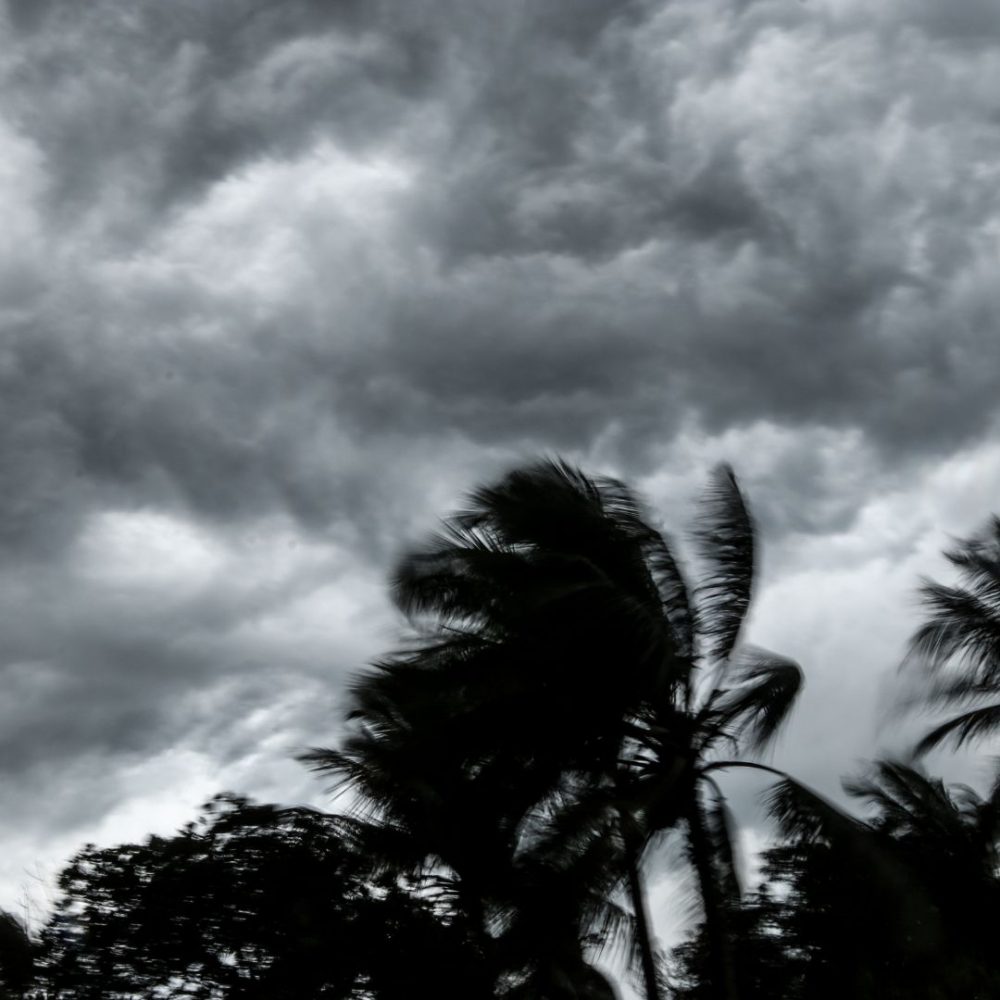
pixel 725 537
pixel 976 723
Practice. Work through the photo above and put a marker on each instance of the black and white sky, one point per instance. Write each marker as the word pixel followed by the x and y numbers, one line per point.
pixel 280 281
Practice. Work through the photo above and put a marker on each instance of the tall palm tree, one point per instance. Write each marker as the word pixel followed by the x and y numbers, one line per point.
pixel 959 644
pixel 731 698
pixel 561 656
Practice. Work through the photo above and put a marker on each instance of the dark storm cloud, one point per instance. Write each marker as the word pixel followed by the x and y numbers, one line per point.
pixel 628 210
pixel 322 265
pixel 152 102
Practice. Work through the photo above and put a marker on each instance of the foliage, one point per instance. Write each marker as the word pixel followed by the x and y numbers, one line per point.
pixel 900 907
pixel 17 957
pixel 249 901
pixel 567 698
pixel 565 679
pixel 958 646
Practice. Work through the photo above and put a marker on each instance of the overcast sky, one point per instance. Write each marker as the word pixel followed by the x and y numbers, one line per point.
pixel 279 281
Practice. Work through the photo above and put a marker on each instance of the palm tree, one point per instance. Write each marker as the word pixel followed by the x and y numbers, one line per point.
pixel 958 645
pixel 902 904
pixel 562 662
pixel 730 697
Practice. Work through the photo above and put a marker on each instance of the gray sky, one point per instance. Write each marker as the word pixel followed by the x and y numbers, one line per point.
pixel 280 281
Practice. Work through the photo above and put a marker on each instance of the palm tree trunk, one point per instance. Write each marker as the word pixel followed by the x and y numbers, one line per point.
pixel 716 925
pixel 647 951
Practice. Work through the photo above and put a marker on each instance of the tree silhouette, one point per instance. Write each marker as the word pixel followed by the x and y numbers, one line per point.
pixel 565 678
pixel 902 905
pixel 959 643
pixel 17 957
pixel 249 902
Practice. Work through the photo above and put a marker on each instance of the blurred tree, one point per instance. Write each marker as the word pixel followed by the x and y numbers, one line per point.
pixel 251 901
pixel 566 686
pixel 902 907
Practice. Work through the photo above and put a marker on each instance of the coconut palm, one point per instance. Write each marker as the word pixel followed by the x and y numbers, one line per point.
pixel 561 656
pixel 959 644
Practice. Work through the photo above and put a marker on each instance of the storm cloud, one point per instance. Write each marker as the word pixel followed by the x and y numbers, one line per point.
pixel 281 280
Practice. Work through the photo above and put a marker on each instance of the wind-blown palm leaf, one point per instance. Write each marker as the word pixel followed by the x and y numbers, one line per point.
pixel 950 691
pixel 489 587
pixel 962 632
pixel 979 560
pixel 962 627
pixel 803 815
pixel 565 825
pixel 764 689
pixel 962 729
pixel 725 537
pixel 467 580
pixel 613 933
pixel 674 591
pixel 550 505
pixel 553 507
pixel 907 800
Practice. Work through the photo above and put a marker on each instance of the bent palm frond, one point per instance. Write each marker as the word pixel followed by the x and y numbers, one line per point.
pixel 761 696
pixel 979 559
pixel 906 799
pixel 962 627
pixel 725 537
pixel 805 816
pixel 675 595
pixel 968 726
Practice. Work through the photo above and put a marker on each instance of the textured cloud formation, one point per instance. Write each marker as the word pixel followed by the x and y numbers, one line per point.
pixel 282 280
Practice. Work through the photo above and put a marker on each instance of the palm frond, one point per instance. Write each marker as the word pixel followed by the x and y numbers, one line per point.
pixel 675 594
pixel 962 627
pixel 948 691
pixel 805 816
pixel 470 582
pixel 552 507
pixel 725 537
pixel 566 825
pixel 968 726
pixel 906 799
pixel 764 689
pixel 342 766
pixel 613 933
pixel 978 558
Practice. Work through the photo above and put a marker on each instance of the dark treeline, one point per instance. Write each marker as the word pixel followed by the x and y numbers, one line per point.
pixel 565 704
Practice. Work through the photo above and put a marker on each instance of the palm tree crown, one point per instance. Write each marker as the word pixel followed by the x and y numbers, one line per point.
pixel 566 687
